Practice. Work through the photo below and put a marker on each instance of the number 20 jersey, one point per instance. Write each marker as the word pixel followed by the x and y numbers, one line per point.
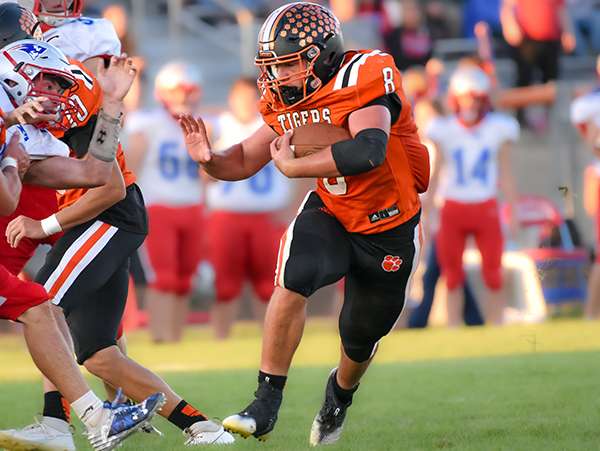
pixel 386 196
pixel 471 155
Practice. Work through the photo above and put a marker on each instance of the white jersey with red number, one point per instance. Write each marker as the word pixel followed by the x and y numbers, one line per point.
pixel 470 171
pixel 38 143
pixel 85 38
pixel 167 175
pixel 585 108
pixel 267 190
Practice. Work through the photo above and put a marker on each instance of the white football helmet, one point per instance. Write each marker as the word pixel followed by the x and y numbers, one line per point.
pixel 472 82
pixel 24 61
pixel 178 86
pixel 55 12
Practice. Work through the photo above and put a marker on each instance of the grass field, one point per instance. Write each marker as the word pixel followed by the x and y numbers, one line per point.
pixel 514 388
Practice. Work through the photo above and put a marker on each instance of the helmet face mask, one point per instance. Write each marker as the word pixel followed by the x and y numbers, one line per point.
pixel 54 12
pixel 289 88
pixel 305 35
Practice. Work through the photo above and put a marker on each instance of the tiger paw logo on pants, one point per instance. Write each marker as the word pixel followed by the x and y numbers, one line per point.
pixel 391 263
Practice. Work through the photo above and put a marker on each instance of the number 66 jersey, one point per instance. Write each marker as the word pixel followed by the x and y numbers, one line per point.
pixel 387 196
pixel 167 176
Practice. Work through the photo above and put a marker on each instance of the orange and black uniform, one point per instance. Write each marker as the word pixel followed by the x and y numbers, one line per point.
pixel 87 270
pixel 363 227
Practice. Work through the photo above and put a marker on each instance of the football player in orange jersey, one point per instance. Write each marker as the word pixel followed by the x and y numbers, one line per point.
pixel 86 273
pixel 361 223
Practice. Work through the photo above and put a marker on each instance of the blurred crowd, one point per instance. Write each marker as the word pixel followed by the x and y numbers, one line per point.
pixel 236 245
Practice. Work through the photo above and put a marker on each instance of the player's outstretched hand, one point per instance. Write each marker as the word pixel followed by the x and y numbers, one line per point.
pixel 117 78
pixel 23 227
pixel 16 151
pixel 196 138
pixel 31 112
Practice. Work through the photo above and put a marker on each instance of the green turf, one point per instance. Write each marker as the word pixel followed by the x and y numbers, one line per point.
pixel 517 399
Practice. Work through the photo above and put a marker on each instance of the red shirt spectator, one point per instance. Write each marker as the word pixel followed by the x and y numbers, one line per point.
pixel 539 19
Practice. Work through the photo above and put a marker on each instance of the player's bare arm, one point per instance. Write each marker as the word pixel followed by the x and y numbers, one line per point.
pixel 236 163
pixel 15 161
pixel 94 63
pixel 89 206
pixel 369 127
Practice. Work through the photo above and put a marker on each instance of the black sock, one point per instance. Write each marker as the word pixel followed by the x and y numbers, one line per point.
pixel 184 415
pixel 342 394
pixel 56 406
pixel 271 379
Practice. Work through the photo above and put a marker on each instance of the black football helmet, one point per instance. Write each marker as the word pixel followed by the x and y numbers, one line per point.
pixel 298 32
pixel 17 23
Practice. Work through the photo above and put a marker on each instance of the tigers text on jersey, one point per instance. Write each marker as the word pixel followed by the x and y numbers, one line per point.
pixel 167 175
pixel 386 196
pixel 471 155
pixel 267 190
pixel 85 38
pixel 37 142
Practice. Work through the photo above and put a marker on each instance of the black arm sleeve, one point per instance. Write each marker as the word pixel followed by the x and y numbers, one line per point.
pixel 361 154
pixel 392 102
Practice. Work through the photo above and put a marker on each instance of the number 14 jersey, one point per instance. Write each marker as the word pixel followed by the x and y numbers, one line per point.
pixel 470 171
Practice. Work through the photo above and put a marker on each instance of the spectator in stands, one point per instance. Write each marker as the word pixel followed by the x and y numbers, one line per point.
pixel 437 19
pixel 536 29
pixel 243 229
pixel 586 25
pixel 487 11
pixel 170 182
pixel 409 41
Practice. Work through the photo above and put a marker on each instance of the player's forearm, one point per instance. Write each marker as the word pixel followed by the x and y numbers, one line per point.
pixel 93 202
pixel 10 190
pixel 66 173
pixel 229 165
pixel 319 164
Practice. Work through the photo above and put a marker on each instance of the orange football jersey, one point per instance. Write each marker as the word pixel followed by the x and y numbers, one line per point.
pixel 88 96
pixel 386 196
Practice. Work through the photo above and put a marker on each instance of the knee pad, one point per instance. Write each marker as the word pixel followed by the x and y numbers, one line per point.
pixel 359 350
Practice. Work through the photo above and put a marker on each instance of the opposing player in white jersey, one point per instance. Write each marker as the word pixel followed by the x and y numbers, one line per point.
pixel 243 231
pixel 473 146
pixel 585 116
pixel 85 39
pixel 170 181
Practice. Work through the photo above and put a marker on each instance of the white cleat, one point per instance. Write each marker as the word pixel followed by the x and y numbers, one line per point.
pixel 38 436
pixel 207 433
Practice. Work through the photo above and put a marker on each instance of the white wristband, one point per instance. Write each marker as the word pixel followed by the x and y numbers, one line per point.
pixel 50 225
pixel 8 162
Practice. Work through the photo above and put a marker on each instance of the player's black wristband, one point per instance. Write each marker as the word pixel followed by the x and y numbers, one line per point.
pixel 361 154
